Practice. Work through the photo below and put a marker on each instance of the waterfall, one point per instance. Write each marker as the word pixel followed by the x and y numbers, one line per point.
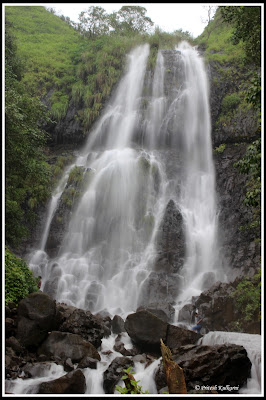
pixel 109 246
pixel 151 147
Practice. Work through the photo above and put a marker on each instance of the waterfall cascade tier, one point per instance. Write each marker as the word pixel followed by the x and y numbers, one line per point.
pixel 109 251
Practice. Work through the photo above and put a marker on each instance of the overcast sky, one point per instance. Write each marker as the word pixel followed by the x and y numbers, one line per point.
pixel 168 16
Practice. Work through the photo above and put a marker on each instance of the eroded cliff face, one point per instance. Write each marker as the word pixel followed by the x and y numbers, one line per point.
pixel 235 129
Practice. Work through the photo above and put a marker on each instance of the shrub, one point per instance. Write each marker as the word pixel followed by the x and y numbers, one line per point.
pixel 19 280
pixel 248 297
pixel 230 102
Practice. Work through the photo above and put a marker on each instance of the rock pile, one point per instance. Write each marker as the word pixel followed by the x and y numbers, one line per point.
pixel 40 332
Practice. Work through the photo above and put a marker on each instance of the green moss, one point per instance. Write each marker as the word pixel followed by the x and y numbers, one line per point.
pixel 220 149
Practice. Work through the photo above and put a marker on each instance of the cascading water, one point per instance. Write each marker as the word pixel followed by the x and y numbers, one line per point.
pixel 252 344
pixel 109 248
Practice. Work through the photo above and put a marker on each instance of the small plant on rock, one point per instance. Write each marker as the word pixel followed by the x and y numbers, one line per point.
pixel 131 385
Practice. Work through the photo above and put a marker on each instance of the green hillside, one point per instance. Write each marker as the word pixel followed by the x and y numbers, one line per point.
pixel 47 46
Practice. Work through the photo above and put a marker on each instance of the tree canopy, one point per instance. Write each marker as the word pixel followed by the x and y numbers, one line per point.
pixel 247 27
pixel 128 20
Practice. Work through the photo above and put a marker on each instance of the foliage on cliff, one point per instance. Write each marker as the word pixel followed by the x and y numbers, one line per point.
pixel 248 300
pixel 232 45
pixel 19 280
pixel 27 174
pixel 67 62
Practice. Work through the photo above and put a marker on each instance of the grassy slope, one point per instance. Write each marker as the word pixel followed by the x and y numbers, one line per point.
pixel 48 47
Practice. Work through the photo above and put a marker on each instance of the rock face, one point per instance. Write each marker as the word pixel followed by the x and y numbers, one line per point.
pixel 170 241
pixel 64 345
pixel 238 247
pixel 72 383
pixel 68 129
pixel 36 317
pixel 225 81
pixel 217 366
pixel 67 203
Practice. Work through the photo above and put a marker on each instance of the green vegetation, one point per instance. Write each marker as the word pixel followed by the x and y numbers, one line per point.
pixel 246 23
pixel 131 386
pixel 216 41
pixel 220 149
pixel 27 173
pixel 81 62
pixel 251 164
pixel 19 280
pixel 248 299
pixel 232 43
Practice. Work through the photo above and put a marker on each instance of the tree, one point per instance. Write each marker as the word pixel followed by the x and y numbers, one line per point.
pixel 130 20
pixel 94 22
pixel 211 11
pixel 247 27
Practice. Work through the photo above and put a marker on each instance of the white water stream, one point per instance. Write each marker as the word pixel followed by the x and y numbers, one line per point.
pixel 109 247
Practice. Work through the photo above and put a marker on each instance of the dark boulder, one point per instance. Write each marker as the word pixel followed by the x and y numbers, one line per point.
pixel 72 383
pixel 88 362
pixel 74 320
pixel 146 330
pixel 36 317
pixel 64 345
pixel 118 324
pixel 219 365
pixel 177 337
pixel 114 372
pixel 163 311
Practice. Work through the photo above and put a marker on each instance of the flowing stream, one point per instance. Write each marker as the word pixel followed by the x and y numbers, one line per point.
pixel 109 246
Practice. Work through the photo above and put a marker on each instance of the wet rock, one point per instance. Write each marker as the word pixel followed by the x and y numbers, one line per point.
pixel 218 365
pixel 170 241
pixel 163 311
pixel 119 346
pixel 10 327
pixel 15 345
pixel 90 327
pixel 88 362
pixel 72 383
pixel 36 317
pixel 66 345
pixel 186 313
pixel 68 365
pixel 114 372
pixel 118 324
pixel 146 330
pixel 177 337
pixel 36 369
pixel 158 293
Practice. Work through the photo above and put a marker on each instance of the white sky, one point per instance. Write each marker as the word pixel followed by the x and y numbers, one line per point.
pixel 168 16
